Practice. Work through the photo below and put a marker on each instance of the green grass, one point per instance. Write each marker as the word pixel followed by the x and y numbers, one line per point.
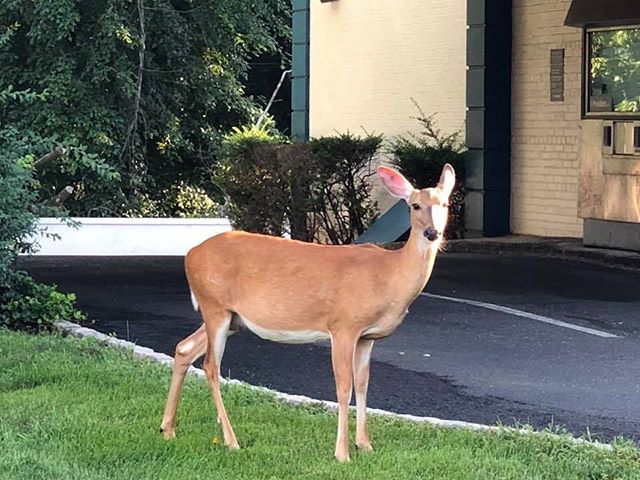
pixel 73 408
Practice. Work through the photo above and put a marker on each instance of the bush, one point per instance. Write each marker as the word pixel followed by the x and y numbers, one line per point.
pixel 421 157
pixel 340 193
pixel 255 180
pixel 16 221
pixel 29 305
pixel 317 191
pixel 186 201
pixel 23 302
pixel 180 200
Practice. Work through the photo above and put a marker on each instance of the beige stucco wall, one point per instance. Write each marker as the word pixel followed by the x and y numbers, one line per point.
pixel 369 58
pixel 545 135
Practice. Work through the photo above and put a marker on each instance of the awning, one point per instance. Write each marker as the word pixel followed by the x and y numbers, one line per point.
pixel 603 13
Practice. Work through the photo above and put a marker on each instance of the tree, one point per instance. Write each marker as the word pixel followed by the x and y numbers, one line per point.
pixel 23 302
pixel 148 86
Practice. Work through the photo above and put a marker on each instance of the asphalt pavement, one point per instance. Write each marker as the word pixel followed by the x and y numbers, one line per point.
pixel 517 339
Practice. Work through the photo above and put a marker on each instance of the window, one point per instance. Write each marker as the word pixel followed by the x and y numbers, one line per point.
pixel 613 72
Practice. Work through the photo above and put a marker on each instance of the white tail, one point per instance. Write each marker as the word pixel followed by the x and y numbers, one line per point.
pixel 194 301
pixel 291 291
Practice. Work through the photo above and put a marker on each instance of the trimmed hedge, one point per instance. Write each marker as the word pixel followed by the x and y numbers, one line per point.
pixel 318 191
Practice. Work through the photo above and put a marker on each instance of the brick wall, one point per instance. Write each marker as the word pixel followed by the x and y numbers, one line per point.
pixel 545 134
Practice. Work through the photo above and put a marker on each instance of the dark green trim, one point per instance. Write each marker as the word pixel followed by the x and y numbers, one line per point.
pixel 300 70
pixel 488 126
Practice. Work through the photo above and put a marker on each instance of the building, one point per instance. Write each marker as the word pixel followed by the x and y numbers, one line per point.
pixel 366 62
pixel 549 90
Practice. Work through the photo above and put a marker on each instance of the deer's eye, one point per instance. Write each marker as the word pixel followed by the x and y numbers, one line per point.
pixel 415 206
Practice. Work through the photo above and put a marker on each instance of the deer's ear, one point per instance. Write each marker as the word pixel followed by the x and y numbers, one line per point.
pixel 447 179
pixel 396 184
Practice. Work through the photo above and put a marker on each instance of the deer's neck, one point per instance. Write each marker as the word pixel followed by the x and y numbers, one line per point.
pixel 418 256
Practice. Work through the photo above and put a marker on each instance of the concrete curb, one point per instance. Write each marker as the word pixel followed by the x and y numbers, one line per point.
pixel 162 358
pixel 564 248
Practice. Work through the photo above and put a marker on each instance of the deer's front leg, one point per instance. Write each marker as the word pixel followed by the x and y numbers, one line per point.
pixel 342 349
pixel 361 364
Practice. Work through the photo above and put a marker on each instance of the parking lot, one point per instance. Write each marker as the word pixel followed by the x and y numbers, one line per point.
pixel 495 338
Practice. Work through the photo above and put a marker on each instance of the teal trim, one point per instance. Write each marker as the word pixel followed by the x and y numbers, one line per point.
pixel 475 45
pixel 488 126
pixel 475 12
pixel 300 70
pixel 300 5
pixel 300 67
pixel 299 95
pixel 300 34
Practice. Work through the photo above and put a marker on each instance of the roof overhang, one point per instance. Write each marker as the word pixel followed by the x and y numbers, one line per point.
pixel 603 13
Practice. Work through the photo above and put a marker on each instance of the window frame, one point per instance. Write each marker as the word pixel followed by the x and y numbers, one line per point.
pixel 586 76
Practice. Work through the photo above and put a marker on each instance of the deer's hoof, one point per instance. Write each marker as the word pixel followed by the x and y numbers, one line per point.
pixel 343 457
pixel 365 446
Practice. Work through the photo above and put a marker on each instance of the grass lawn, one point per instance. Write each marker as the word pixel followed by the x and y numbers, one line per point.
pixel 73 408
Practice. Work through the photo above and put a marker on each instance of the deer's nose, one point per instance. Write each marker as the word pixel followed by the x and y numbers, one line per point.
pixel 431 234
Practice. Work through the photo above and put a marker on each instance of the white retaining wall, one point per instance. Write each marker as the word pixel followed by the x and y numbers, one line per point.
pixel 127 236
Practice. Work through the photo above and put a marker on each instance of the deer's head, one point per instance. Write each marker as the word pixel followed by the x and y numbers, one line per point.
pixel 429 206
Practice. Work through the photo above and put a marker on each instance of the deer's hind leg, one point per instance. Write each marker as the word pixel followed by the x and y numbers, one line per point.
pixel 187 352
pixel 217 322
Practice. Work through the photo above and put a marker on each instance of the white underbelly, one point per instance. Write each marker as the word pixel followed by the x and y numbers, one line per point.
pixel 285 336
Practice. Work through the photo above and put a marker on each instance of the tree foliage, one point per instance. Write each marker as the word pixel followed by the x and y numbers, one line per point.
pixel 24 303
pixel 140 90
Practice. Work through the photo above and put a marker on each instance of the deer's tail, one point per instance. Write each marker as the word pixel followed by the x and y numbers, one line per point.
pixel 194 302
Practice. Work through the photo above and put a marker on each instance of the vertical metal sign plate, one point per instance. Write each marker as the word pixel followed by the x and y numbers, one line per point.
pixel 556 75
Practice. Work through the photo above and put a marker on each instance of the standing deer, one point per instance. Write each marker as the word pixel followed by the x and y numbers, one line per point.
pixel 295 292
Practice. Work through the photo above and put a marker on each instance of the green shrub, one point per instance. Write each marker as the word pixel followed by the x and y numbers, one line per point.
pixel 145 206
pixel 16 221
pixel 420 157
pixel 341 191
pixel 179 200
pixel 316 191
pixel 28 305
pixel 186 201
pixel 256 181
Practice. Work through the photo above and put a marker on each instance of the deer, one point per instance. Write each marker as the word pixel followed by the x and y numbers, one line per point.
pixel 291 291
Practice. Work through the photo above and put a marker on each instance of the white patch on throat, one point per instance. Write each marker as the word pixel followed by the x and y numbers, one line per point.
pixel 284 336
pixel 439 215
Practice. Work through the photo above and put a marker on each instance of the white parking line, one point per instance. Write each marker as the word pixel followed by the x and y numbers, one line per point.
pixel 521 313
